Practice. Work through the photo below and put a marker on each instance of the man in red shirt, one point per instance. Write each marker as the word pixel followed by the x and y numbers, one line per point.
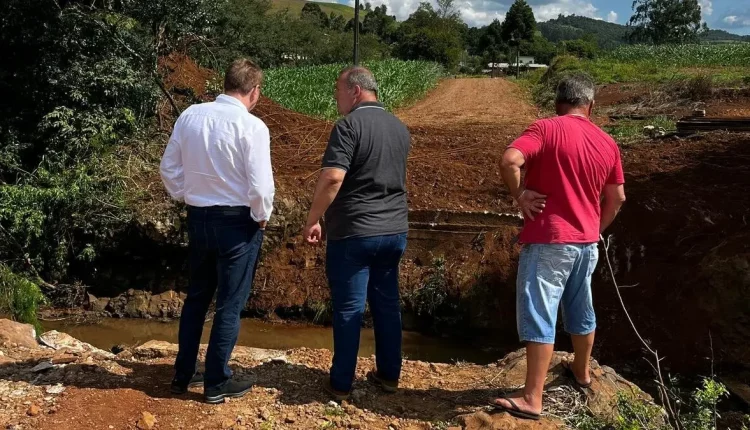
pixel 572 192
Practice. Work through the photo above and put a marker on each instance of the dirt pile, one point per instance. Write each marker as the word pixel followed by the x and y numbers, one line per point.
pixel 95 390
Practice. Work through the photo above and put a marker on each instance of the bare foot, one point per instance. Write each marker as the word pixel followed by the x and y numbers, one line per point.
pixel 581 372
pixel 523 403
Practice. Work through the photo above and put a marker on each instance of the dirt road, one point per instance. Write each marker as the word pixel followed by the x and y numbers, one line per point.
pixel 471 101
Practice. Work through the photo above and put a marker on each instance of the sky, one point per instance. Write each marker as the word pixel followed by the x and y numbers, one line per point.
pixel 730 15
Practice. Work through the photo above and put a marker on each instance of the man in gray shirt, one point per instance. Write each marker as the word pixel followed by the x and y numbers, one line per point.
pixel 362 192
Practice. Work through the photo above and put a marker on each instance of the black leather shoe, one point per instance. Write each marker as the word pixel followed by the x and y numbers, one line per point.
pixel 230 389
pixel 181 387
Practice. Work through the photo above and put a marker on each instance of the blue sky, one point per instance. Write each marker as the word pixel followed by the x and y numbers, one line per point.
pixel 730 15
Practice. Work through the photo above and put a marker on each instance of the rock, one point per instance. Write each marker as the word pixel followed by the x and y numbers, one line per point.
pixel 41 367
pixel 156 349
pixel 228 424
pixel 138 305
pixel 17 333
pixel 64 359
pixel 34 410
pixel 166 305
pixel 57 340
pixel 97 305
pixel 55 389
pixel 146 421
pixel 289 419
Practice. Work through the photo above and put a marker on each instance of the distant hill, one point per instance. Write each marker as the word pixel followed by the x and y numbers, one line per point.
pixel 610 35
pixel 295 8
pixel 724 36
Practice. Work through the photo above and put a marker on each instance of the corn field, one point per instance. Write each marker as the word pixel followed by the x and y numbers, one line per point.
pixel 310 89
pixel 730 54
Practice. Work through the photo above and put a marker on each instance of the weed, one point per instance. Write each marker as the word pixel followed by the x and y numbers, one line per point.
pixel 626 130
pixel 433 292
pixel 334 411
pixel 267 425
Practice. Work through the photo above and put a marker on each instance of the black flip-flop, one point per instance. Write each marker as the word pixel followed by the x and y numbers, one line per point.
pixel 569 373
pixel 514 410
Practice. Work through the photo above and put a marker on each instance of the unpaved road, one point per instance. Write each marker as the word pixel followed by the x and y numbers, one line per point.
pixel 471 101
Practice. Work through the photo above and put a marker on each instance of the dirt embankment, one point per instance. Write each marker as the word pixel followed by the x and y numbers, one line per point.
pixel 66 384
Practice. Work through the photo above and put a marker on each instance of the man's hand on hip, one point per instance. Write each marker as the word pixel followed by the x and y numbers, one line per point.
pixel 263 224
pixel 531 203
pixel 313 234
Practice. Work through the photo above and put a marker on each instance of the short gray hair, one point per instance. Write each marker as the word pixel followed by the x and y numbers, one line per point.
pixel 361 76
pixel 576 90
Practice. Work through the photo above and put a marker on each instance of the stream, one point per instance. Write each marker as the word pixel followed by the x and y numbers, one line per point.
pixel 109 332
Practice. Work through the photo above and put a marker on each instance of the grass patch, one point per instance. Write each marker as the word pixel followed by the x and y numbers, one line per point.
pixel 334 411
pixel 628 130
pixel 309 89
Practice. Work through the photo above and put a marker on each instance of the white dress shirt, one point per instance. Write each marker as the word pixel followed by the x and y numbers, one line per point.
pixel 220 155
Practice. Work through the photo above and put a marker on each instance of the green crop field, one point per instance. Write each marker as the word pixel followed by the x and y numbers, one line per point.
pixel 310 89
pixel 703 55
pixel 295 7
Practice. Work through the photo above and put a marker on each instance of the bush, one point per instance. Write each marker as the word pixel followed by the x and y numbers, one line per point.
pixel 19 297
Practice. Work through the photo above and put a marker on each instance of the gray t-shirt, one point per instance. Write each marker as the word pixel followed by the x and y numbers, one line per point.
pixel 372 145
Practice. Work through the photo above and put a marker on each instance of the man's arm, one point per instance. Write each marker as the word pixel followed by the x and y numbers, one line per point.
pixel 336 162
pixel 326 189
pixel 529 201
pixel 261 188
pixel 171 169
pixel 613 199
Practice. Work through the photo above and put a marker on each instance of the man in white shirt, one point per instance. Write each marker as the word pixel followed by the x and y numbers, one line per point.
pixel 218 161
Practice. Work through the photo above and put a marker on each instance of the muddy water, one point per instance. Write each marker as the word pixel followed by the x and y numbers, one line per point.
pixel 255 333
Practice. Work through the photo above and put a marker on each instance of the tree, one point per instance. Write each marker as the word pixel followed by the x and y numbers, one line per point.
pixel 448 10
pixel 666 21
pixel 312 13
pixel 491 44
pixel 379 23
pixel 336 22
pixel 425 35
pixel 519 23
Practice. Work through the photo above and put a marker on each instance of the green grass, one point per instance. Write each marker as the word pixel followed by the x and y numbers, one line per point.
pixel 295 8
pixel 624 131
pixel 309 89
pixel 693 55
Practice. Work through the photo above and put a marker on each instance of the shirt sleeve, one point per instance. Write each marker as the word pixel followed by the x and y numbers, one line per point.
pixel 531 141
pixel 616 175
pixel 261 188
pixel 171 168
pixel 340 150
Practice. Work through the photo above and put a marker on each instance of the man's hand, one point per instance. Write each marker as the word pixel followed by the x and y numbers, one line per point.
pixel 531 203
pixel 313 234
pixel 262 224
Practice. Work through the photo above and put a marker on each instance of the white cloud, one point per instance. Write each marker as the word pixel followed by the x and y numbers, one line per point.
pixel 707 7
pixel 482 12
pixel 545 12
pixel 731 19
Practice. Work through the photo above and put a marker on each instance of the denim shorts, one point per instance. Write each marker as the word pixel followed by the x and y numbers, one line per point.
pixel 550 275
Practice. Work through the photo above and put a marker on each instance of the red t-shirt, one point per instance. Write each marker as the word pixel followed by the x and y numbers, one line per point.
pixel 569 159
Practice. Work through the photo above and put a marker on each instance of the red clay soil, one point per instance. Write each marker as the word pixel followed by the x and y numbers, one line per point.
pixel 659 99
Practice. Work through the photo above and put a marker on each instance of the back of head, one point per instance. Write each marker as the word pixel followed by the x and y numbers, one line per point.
pixel 576 91
pixel 242 76
pixel 360 76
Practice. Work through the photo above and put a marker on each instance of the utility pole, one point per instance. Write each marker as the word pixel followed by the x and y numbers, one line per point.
pixel 356 32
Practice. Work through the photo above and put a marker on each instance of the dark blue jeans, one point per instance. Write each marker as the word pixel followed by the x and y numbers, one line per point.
pixel 224 245
pixel 365 270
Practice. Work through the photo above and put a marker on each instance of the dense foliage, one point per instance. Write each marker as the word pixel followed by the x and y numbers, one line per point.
pixel 666 21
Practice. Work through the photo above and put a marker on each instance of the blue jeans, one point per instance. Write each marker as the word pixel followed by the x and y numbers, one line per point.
pixel 224 246
pixel 551 274
pixel 365 270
